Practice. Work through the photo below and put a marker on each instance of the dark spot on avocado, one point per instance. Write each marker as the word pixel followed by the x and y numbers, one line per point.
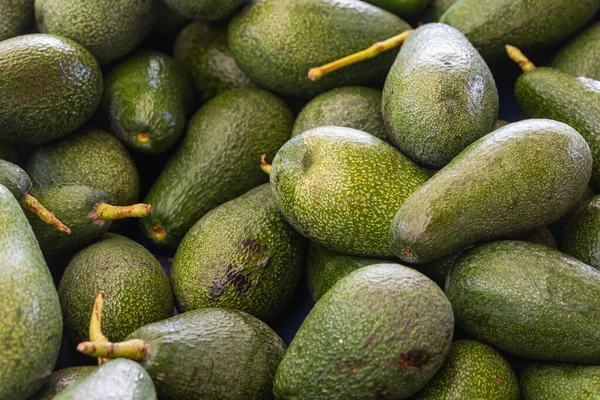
pixel 264 263
pixel 250 245
pixel 233 276
pixel 414 359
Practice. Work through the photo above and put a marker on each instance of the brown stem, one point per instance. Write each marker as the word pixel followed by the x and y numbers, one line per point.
pixel 108 212
pixel 518 57
pixel 264 165
pixel 32 204
pixel 134 349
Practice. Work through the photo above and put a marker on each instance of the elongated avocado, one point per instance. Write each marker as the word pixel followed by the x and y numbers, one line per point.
pixel 60 380
pixel 581 238
pixel 581 55
pixel 16 17
pixel 560 381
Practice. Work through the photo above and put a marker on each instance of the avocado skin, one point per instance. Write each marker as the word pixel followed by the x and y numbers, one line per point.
pixel 528 25
pixel 31 325
pixel 240 351
pixel 558 227
pixel 528 300
pixel 16 17
pixel 491 205
pixel 229 134
pixel 15 179
pixel 276 42
pixel 89 157
pixel 439 97
pixel 354 107
pixel 148 92
pixel 60 380
pixel 72 86
pixel 205 10
pixel 241 255
pixel 560 381
pixel 581 238
pixel 119 379
pixel 203 51
pixel 10 152
pixel 380 332
pixel 108 28
pixel 549 93
pixel 581 55
pixel 403 8
pixel 137 290
pixel 436 9
pixel 340 188
pixel 472 370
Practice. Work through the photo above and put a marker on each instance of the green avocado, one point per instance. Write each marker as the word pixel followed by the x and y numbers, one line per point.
pixel 16 17
pixel 581 238
pixel 205 10
pixel 403 8
pixel 439 97
pixel 31 112
pixel 581 55
pixel 15 179
pixel 60 380
pixel 470 201
pixel 560 381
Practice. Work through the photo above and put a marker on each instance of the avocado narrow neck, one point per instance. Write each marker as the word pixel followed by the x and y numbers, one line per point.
pixel 32 204
pixel 518 57
pixel 107 212
pixel 135 349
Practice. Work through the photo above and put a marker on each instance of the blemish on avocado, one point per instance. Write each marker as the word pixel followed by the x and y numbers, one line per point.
pixel 233 276
pixel 251 245
pixel 414 359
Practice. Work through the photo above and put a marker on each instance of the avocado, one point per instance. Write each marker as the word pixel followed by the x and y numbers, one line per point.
pixel 581 238
pixel 472 370
pixel 545 166
pixel 558 227
pixel 109 29
pixel 228 135
pixel 529 25
pixel 16 17
pixel 242 255
pixel 52 86
pixel 89 157
pixel 276 42
pixel 202 49
pixel 10 152
pixel 120 379
pixel 560 381
pixel 581 55
pixel 436 9
pixel 403 8
pixel 205 10
pixel 60 380
pixel 439 97
pixel 528 300
pixel 340 188
pixel 354 107
pixel 146 98
pixel 380 332
pixel 31 324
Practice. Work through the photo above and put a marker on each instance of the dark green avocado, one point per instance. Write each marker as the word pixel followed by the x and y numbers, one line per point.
pixel 16 17
pixel 581 55
pixel 60 380
pixel 581 238
pixel 560 381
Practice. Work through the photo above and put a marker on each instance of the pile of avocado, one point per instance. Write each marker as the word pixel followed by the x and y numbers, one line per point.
pixel 299 199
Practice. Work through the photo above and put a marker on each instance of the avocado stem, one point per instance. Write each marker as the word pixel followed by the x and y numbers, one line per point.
pixel 108 212
pixel 373 51
pixel 134 349
pixel 264 165
pixel 518 57
pixel 95 332
pixel 32 204
pixel 142 138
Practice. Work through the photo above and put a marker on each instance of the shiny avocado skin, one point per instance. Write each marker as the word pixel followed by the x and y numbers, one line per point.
pixel 492 206
pixel 241 352
pixel 581 238
pixel 439 97
pixel 403 8
pixel 472 370
pixel 529 300
pixel 16 17
pixel 60 380
pixel 560 381
pixel 15 179
pixel 528 25
pixel 205 10
pixel 354 107
pixel 549 93
pixel 32 113
pixel 276 42
pixel 147 93
pixel 581 55
pixel 31 325
pixel 107 28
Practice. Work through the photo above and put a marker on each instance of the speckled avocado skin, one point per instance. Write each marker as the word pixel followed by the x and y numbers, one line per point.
pixel 439 97
pixel 203 51
pixel 529 25
pixel 340 188
pixel 581 238
pixel 16 16
pixel 465 202
pixel 31 324
pixel 560 381
pixel 60 380
pixel 528 300
pixel 381 332
pixel 89 157
pixel 15 179
pixel 241 352
pixel 354 107
pixel 228 134
pixel 558 227
pixel 32 112
pixel 108 28
pixel 205 10
pixel 549 93
pixel 472 370
pixel 276 42
pixel 581 55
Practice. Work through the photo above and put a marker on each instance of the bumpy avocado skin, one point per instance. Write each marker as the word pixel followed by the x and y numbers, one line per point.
pixel 108 28
pixel 381 332
pixel 464 203
pixel 203 51
pixel 560 381
pixel 439 97
pixel 276 42
pixel 15 179
pixel 242 255
pixel 354 107
pixel 60 380
pixel 31 324
pixel 581 55
pixel 16 17
pixel 581 238
pixel 205 10
pixel 529 300
pixel 33 113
